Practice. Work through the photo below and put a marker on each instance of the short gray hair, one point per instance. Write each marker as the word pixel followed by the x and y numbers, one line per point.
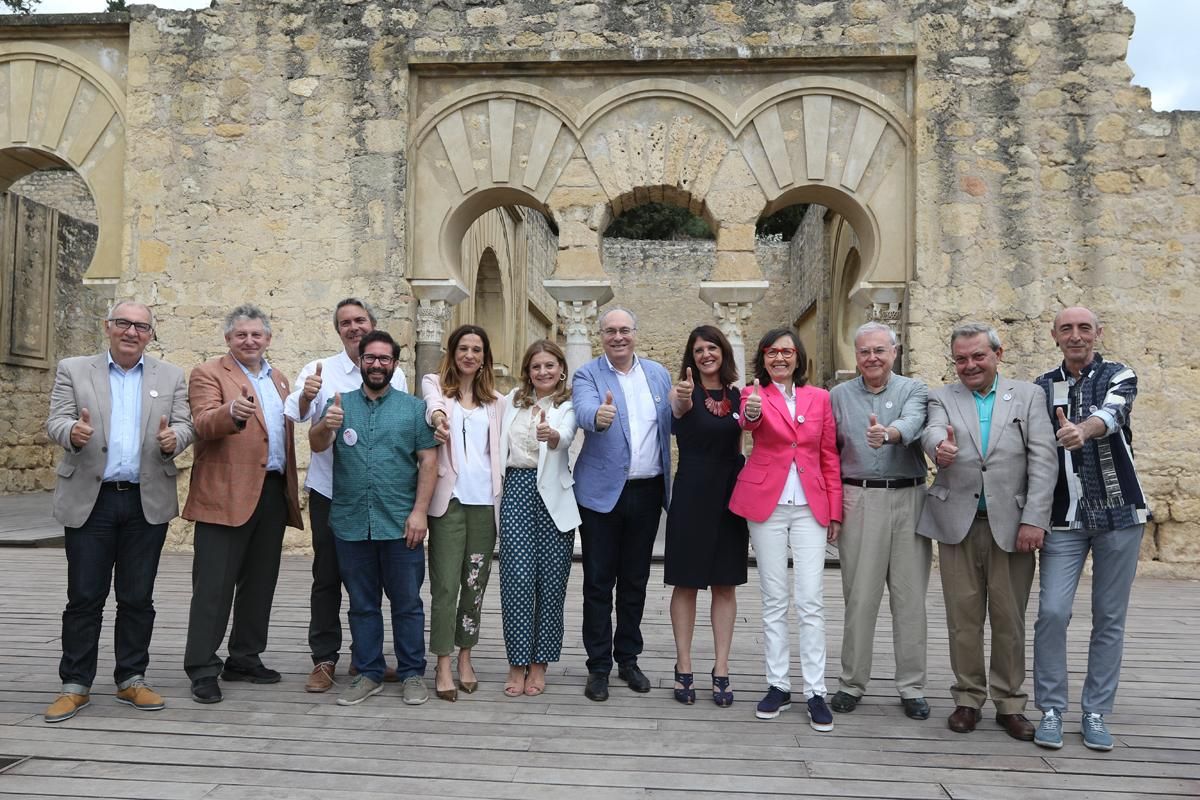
pixel 876 327
pixel 129 302
pixel 246 311
pixel 968 329
pixel 354 301
pixel 604 316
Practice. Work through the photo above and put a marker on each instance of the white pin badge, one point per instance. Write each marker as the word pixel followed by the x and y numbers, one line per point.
pixel 1007 397
pixel 1092 409
pixel 888 404
pixel 350 437
pixel 657 399
pixel 800 418
pixel 735 415
pixel 154 392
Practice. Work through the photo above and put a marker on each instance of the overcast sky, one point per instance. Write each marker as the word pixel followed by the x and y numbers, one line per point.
pixel 1164 53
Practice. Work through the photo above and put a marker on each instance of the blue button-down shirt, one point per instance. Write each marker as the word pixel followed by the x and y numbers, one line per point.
pixel 124 426
pixel 272 406
pixel 984 404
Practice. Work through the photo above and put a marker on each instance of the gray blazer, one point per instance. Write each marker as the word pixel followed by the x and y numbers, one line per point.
pixel 82 382
pixel 1018 474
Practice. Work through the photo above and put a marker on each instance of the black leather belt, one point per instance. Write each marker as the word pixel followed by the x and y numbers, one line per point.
pixel 120 486
pixel 883 483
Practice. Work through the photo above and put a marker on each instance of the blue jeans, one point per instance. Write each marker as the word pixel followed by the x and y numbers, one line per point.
pixel 370 569
pixel 115 538
pixel 1114 564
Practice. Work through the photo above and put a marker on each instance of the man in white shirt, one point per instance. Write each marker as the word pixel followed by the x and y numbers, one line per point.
pixel 316 385
pixel 622 485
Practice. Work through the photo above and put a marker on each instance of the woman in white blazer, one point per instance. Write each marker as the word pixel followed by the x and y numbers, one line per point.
pixel 464 410
pixel 538 516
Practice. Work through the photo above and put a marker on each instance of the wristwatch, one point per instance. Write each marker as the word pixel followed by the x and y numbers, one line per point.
pixel 887 436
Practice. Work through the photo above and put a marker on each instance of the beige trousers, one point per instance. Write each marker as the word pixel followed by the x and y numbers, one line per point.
pixel 980 580
pixel 879 547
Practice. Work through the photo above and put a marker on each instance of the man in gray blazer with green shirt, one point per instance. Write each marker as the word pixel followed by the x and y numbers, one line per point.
pixel 121 417
pixel 988 508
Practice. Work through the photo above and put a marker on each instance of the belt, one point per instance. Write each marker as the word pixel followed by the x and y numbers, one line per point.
pixel 883 483
pixel 120 486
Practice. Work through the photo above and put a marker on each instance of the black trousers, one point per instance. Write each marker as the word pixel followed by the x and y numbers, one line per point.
pixel 617 547
pixel 325 600
pixel 235 567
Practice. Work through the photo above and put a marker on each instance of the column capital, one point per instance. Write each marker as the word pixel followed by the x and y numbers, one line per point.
pixel 432 316
pixel 578 316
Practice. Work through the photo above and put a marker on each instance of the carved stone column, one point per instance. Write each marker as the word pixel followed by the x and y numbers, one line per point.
pixel 435 297
pixel 579 304
pixel 884 303
pixel 733 304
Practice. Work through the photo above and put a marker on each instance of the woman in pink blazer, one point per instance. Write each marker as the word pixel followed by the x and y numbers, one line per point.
pixel 465 412
pixel 790 492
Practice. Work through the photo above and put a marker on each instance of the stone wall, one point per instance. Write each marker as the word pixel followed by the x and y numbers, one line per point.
pixel 61 189
pixel 268 144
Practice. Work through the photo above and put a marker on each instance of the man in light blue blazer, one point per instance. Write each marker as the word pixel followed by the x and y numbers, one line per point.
pixel 622 485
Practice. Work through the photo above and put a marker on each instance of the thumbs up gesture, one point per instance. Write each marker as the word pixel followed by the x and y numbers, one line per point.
pixel 81 431
pixel 312 385
pixel 606 413
pixel 754 403
pixel 335 414
pixel 545 432
pixel 243 407
pixel 165 436
pixel 876 433
pixel 441 427
pixel 946 450
pixel 1069 435
pixel 684 388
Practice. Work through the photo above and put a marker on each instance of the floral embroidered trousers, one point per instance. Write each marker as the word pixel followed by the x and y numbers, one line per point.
pixel 461 543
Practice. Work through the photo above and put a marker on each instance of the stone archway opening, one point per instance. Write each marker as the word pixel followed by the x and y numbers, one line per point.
pixel 48 236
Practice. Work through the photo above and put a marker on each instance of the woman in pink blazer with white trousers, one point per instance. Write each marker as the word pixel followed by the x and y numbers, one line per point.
pixel 465 412
pixel 790 492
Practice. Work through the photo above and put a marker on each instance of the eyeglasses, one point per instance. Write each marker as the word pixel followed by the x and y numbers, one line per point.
pixel 123 324
pixel 617 331
pixel 878 352
pixel 383 361
pixel 786 352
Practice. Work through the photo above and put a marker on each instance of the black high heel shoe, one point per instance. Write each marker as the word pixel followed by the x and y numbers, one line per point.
pixel 686 695
pixel 722 694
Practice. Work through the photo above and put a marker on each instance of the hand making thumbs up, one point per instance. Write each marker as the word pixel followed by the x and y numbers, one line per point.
pixel 165 436
pixel 1069 435
pixel 754 403
pixel 335 414
pixel 546 432
pixel 242 408
pixel 946 449
pixel 876 433
pixel 606 413
pixel 312 385
pixel 81 431
pixel 441 427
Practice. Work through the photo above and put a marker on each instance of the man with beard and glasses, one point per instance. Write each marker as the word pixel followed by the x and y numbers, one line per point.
pixel 384 472
pixel 316 384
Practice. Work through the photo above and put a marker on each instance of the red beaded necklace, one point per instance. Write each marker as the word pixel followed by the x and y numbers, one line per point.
pixel 718 408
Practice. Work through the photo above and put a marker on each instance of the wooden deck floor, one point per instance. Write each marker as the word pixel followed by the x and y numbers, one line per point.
pixel 268 742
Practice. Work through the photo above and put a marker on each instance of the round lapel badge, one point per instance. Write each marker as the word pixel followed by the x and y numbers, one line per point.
pixel 350 437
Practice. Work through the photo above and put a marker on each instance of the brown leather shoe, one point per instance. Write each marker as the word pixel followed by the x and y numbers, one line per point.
pixel 141 697
pixel 65 706
pixel 321 677
pixel 1016 726
pixel 964 718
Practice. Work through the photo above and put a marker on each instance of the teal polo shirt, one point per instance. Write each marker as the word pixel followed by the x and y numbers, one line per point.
pixel 984 404
pixel 375 464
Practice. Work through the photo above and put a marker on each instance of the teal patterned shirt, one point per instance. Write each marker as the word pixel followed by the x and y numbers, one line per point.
pixel 375 464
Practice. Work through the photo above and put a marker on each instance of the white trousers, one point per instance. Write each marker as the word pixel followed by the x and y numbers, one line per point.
pixel 792 528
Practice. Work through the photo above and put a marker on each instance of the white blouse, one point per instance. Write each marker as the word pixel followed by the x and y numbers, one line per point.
pixel 469 435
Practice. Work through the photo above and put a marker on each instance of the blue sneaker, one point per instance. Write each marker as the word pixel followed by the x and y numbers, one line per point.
pixel 1095 732
pixel 775 701
pixel 1049 732
pixel 818 714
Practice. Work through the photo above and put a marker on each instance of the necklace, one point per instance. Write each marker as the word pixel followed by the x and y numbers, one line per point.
pixel 718 408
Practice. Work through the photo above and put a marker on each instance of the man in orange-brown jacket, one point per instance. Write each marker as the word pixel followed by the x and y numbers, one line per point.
pixel 243 493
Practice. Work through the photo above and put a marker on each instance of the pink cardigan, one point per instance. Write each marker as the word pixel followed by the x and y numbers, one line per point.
pixel 448 455
pixel 780 440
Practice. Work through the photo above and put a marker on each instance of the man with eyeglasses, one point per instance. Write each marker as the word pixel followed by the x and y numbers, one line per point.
pixel 989 509
pixel 242 496
pixel 315 386
pixel 121 418
pixel 622 486
pixel 880 416
pixel 385 469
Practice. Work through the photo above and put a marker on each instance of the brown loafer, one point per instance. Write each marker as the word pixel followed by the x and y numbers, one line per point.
pixel 321 678
pixel 964 719
pixel 1016 726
